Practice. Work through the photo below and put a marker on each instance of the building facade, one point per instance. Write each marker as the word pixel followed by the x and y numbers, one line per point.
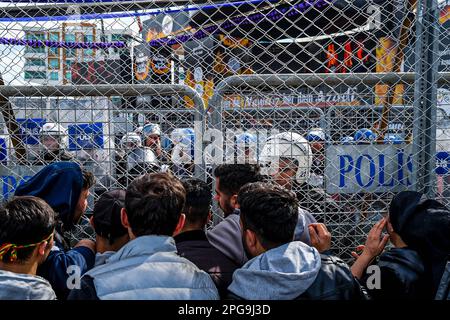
pixel 53 66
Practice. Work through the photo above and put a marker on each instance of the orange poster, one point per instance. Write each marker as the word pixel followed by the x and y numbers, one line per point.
pixel 386 51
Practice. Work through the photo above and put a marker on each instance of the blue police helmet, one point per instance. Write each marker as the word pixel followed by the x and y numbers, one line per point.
pixel 245 138
pixel 365 135
pixel 393 139
pixel 315 134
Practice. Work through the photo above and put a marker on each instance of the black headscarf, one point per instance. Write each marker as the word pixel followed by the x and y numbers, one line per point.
pixel 424 225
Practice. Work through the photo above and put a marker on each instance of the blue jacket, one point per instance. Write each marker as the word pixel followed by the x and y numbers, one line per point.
pixel 282 273
pixel 16 286
pixel 146 268
pixel 60 185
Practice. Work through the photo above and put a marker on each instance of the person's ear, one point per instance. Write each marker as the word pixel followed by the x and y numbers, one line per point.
pixel 124 218
pixel 233 200
pixel 126 223
pixel 42 248
pixel 209 217
pixel 251 242
pixel 91 222
pixel 180 224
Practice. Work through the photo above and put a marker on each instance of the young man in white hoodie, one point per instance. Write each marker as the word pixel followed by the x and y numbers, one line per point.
pixel 27 225
pixel 280 268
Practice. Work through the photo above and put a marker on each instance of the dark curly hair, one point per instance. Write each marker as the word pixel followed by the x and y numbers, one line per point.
pixel 25 220
pixel 270 211
pixel 154 203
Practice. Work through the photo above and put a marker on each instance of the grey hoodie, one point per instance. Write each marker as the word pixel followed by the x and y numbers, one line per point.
pixel 282 273
pixel 15 286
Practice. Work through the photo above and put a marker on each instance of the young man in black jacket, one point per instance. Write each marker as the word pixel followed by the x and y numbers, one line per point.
pixel 418 228
pixel 192 242
pixel 282 269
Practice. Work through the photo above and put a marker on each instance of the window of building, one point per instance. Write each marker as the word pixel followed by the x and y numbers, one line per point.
pixel 53 52
pixel 53 36
pixel 35 63
pixel 54 76
pixel 88 38
pixel 70 38
pixel 68 75
pixel 35 36
pixel 35 75
pixel 53 63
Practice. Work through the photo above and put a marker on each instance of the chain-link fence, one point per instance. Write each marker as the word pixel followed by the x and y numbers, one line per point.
pixel 126 87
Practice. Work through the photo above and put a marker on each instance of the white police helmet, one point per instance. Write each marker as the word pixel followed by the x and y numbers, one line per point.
pixel 55 131
pixel 347 140
pixel 183 150
pixel 151 129
pixel 289 145
pixel 131 140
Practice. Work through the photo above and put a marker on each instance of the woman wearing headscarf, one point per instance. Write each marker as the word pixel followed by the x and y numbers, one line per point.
pixel 419 230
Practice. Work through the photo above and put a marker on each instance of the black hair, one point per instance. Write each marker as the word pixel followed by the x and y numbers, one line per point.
pixel 25 220
pixel 234 176
pixel 154 203
pixel 198 201
pixel 270 211
pixel 88 179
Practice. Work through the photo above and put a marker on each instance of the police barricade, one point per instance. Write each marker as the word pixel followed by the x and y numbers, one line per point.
pixel 250 111
pixel 363 174
pixel 348 214
pixel 86 129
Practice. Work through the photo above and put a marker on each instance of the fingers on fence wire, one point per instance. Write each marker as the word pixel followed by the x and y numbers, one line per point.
pixel 376 242
pixel 320 236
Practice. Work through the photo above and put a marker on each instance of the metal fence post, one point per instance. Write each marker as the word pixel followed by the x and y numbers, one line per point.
pixel 425 96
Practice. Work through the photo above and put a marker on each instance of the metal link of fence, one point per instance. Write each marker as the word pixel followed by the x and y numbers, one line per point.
pixel 364 82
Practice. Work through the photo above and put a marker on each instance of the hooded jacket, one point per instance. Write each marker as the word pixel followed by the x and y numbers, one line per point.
pixel 146 268
pixel 424 225
pixel 295 271
pixel 401 271
pixel 282 273
pixel 14 286
pixel 60 185
pixel 227 235
pixel 443 292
